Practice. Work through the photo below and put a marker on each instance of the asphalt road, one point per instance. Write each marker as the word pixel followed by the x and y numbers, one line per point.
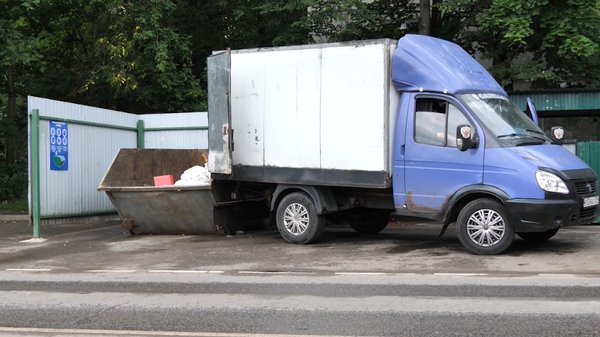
pixel 96 280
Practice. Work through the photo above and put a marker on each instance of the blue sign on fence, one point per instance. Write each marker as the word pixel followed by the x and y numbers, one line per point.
pixel 59 142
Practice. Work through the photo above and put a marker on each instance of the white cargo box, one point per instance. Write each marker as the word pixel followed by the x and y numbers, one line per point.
pixel 317 114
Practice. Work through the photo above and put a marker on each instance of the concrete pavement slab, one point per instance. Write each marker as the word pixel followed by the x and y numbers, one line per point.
pixel 401 248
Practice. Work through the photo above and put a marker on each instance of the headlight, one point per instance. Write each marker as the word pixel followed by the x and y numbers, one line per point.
pixel 549 182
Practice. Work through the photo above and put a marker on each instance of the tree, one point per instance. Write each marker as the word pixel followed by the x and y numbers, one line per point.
pixel 150 56
pixel 18 53
pixel 118 54
pixel 425 17
pixel 545 42
pixel 335 20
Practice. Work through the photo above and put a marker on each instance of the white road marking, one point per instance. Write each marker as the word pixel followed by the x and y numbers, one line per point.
pixel 88 332
pixel 186 271
pixel 558 275
pixel 362 273
pixel 251 272
pixel 138 302
pixel 29 269
pixel 307 273
pixel 460 274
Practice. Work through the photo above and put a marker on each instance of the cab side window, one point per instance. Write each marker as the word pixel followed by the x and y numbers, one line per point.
pixel 455 118
pixel 436 121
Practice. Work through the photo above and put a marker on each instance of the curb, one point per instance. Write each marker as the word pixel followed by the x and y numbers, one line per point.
pixel 14 217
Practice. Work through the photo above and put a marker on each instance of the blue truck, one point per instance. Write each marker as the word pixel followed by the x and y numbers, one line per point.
pixel 354 132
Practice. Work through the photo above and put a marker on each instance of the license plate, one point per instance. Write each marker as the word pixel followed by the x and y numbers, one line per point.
pixel 591 201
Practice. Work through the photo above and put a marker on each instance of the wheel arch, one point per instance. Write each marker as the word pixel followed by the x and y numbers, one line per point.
pixel 321 196
pixel 467 194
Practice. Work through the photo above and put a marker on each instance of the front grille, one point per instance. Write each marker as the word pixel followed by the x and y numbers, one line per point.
pixel 587 213
pixel 585 186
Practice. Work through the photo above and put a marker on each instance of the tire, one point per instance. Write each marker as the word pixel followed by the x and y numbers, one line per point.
pixel 369 222
pixel 483 227
pixel 538 236
pixel 297 219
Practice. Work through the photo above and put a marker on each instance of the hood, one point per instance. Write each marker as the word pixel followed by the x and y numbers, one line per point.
pixel 551 156
pixel 430 64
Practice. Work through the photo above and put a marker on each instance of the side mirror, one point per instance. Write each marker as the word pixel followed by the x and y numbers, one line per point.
pixel 466 138
pixel 557 134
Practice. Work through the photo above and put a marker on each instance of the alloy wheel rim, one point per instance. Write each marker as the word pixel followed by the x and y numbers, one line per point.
pixel 296 219
pixel 486 227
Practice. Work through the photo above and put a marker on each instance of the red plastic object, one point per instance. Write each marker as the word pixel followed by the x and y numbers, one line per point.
pixel 166 180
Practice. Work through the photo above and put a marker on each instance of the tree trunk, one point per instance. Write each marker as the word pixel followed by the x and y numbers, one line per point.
pixel 425 17
pixel 10 123
pixel 499 60
pixel 436 18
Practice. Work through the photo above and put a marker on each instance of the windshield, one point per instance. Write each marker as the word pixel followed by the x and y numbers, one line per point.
pixel 502 117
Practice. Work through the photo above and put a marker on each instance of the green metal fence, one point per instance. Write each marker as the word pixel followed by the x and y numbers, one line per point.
pixel 563 100
pixel 589 152
pixel 95 135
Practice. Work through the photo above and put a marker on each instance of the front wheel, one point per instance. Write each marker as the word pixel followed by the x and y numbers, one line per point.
pixel 297 219
pixel 483 227
pixel 538 236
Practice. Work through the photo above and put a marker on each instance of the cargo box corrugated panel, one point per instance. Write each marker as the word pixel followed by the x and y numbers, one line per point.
pixel 322 109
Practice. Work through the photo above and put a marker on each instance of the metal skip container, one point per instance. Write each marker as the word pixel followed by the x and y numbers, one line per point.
pixel 145 208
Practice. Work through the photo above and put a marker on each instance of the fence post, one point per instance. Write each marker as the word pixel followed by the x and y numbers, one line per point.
pixel 35 172
pixel 140 134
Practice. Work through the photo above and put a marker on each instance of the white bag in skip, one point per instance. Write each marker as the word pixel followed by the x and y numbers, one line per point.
pixel 194 176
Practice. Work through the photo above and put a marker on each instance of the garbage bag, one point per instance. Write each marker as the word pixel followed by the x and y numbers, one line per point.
pixel 194 176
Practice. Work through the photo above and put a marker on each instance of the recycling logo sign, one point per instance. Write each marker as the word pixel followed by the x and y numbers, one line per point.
pixel 59 146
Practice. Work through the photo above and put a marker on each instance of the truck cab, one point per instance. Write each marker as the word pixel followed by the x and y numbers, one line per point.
pixel 465 153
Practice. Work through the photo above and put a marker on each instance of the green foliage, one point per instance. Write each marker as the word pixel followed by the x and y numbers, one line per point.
pixel 14 206
pixel 546 42
pixel 277 15
pixel 119 54
pixel 17 43
pixel 13 181
pixel 150 56
pixel 332 20
pixel 513 19
pixel 18 54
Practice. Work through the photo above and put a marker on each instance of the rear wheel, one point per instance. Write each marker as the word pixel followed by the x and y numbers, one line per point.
pixel 369 221
pixel 483 227
pixel 538 236
pixel 297 219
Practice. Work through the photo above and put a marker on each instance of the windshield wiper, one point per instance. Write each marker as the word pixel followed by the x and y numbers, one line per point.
pixel 535 131
pixel 519 135
pixel 521 138
pixel 513 135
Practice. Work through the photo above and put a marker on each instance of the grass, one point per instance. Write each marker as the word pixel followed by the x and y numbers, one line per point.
pixel 14 206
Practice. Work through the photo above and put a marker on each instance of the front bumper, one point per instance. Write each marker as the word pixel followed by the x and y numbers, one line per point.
pixel 542 215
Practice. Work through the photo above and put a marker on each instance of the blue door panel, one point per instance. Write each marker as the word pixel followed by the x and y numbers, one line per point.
pixel 429 184
pixel 431 174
